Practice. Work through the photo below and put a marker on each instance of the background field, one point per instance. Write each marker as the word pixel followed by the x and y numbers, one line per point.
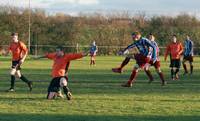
pixel 97 95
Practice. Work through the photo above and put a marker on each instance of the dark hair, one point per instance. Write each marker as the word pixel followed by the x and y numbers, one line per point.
pixel 174 35
pixel 14 34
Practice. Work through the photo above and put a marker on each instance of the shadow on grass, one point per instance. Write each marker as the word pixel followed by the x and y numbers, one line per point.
pixel 55 117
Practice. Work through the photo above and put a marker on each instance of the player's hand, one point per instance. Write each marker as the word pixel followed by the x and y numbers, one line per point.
pixel 21 61
pixel 120 52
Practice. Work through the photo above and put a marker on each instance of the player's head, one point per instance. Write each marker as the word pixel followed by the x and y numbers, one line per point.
pixel 59 51
pixel 136 36
pixel 151 37
pixel 174 38
pixel 93 43
pixel 14 37
pixel 187 37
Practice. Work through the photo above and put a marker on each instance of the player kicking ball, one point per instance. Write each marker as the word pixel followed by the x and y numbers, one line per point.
pixel 142 57
pixel 60 61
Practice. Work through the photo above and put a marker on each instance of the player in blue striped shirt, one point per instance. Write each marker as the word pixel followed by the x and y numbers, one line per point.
pixel 93 52
pixel 157 64
pixel 142 58
pixel 188 54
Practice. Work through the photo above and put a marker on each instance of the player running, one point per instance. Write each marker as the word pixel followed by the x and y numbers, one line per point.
pixel 188 54
pixel 142 58
pixel 175 49
pixel 61 60
pixel 19 53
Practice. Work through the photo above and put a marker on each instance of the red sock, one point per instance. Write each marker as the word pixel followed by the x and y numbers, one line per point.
pixel 161 76
pixel 132 77
pixel 149 75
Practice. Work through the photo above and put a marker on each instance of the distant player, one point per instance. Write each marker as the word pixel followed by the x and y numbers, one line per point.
pixel 174 49
pixel 142 59
pixel 157 62
pixel 93 52
pixel 59 80
pixel 19 52
pixel 188 54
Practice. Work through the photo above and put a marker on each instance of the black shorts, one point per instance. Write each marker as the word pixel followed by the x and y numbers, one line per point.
pixel 15 64
pixel 188 58
pixel 55 84
pixel 175 63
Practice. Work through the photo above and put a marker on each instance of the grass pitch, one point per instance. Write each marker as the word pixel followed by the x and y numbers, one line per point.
pixel 98 96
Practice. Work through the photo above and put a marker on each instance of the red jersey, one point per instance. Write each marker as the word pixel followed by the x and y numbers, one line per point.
pixel 175 50
pixel 17 49
pixel 60 63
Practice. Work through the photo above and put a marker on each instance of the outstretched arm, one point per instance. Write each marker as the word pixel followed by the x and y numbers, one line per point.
pixel 73 56
pixel 48 55
pixel 125 51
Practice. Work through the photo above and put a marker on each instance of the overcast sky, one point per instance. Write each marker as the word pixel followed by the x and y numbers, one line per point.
pixel 169 7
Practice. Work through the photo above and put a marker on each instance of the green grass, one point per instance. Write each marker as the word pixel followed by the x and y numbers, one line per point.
pixel 97 95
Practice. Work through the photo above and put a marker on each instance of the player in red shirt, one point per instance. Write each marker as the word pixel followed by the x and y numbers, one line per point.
pixel 19 52
pixel 174 49
pixel 61 61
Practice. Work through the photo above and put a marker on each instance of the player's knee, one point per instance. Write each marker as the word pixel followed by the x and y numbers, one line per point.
pixel 63 82
pixel 18 74
pixel 136 66
pixel 51 95
pixel 158 70
pixel 12 72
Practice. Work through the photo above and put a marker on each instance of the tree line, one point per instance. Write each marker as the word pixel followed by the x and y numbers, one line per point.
pixel 107 30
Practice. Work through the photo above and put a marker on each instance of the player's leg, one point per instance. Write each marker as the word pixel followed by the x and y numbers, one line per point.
pixel 132 77
pixel 91 61
pixel 148 72
pixel 177 65
pixel 24 79
pixel 184 65
pixel 157 66
pixel 191 64
pixel 172 66
pixel 53 88
pixel 12 75
pixel 66 90
pixel 124 63
pixel 12 81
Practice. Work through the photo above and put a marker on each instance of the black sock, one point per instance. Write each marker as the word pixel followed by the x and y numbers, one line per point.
pixel 177 70
pixel 65 89
pixel 24 79
pixel 191 69
pixel 12 82
pixel 172 73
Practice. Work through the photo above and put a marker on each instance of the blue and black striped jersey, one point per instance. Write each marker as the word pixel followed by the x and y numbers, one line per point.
pixel 188 48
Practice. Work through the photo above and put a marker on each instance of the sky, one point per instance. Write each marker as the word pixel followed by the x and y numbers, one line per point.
pixel 73 7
